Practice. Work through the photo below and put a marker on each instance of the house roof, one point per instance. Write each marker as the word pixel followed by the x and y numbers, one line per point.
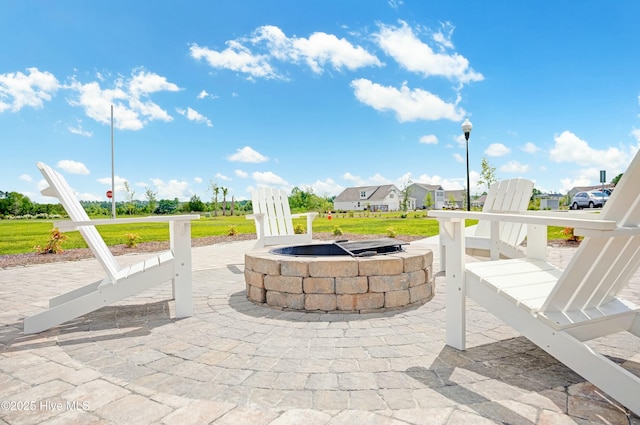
pixel 588 188
pixel 374 193
pixel 428 187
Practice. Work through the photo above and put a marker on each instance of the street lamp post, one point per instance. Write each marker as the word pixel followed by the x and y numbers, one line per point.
pixel 466 129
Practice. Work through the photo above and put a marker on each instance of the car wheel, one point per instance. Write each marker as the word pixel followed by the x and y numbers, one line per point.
pixel 591 204
pixel 574 206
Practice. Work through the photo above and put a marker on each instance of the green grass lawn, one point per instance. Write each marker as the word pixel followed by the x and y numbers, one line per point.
pixel 21 236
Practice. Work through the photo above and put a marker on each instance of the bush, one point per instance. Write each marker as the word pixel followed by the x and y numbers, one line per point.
pixel 337 231
pixel 298 229
pixel 232 231
pixel 54 245
pixel 391 232
pixel 132 240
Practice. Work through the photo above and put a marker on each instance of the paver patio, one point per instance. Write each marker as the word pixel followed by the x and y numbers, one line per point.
pixel 237 362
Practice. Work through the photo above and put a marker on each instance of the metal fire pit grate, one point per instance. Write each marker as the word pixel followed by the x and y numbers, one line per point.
pixel 355 249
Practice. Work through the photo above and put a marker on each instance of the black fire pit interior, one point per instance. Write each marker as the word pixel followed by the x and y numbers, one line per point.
pixel 355 249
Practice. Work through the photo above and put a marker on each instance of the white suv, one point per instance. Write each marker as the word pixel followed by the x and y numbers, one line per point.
pixel 591 199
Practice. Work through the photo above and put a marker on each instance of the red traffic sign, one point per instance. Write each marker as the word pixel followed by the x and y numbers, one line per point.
pixel 109 194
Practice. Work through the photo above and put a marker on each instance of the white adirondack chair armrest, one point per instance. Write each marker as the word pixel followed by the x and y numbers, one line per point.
pixel 311 215
pixel 255 216
pixel 74 225
pixel 619 231
pixel 582 222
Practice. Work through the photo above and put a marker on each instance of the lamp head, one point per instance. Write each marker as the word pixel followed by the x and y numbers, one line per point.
pixel 466 128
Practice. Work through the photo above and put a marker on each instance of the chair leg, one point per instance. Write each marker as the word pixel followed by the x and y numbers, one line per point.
pixel 181 283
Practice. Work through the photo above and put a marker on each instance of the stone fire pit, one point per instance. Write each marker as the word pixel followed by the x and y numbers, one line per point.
pixel 340 283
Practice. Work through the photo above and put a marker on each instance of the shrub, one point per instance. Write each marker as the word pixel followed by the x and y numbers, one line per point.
pixel 132 240
pixel 298 229
pixel 391 232
pixel 568 232
pixel 337 231
pixel 54 245
pixel 232 231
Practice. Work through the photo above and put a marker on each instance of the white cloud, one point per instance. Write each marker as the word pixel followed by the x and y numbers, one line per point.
pixel 451 184
pixel 497 149
pixel 221 177
pixel 514 167
pixel 18 90
pixel 416 56
pixel 172 189
pixel 409 105
pixel 79 131
pixel 327 187
pixel 316 51
pixel 268 178
pixel 72 167
pixel 378 178
pixel 25 177
pixel 429 139
pixel 271 43
pixel 570 148
pixel 118 182
pixel 197 180
pixel 321 48
pixel 193 115
pixel 356 180
pixel 568 184
pixel 144 83
pixel 204 94
pixel 530 148
pixel 241 174
pixel 235 57
pixel 443 37
pixel 132 108
pixel 247 154
pixel 458 157
pixel 395 4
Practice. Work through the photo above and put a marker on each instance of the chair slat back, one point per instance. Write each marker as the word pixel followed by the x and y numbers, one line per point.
pixel 274 203
pixel 507 196
pixel 603 266
pixel 59 188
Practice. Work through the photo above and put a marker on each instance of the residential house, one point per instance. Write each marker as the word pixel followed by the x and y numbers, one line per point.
pixel 457 197
pixel 419 191
pixel 372 198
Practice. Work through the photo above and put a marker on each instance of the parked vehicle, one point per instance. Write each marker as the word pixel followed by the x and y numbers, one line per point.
pixel 591 199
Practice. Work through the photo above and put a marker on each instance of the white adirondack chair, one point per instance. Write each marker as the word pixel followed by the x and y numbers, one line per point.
pixel 273 218
pixel 504 196
pixel 119 283
pixel 558 310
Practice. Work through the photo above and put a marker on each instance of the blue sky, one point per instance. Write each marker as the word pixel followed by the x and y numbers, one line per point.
pixel 321 94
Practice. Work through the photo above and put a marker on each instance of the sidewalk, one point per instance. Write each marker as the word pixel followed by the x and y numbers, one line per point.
pixel 235 362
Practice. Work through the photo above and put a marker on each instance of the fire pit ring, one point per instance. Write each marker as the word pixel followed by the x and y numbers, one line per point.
pixel 344 283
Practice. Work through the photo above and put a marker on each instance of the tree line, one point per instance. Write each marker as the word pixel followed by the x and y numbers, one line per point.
pixel 14 204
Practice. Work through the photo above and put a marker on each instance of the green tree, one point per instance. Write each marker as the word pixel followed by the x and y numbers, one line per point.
pixel 215 189
pixel 152 199
pixel 225 190
pixel 428 200
pixel 166 206
pixel 616 179
pixel 195 204
pixel 405 194
pixel 14 203
pixel 129 194
pixel 488 174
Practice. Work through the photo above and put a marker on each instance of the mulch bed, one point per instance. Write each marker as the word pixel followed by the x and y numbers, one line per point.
pixel 17 260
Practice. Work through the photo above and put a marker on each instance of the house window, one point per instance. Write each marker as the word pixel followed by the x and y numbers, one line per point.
pixel 363 194
pixel 391 195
